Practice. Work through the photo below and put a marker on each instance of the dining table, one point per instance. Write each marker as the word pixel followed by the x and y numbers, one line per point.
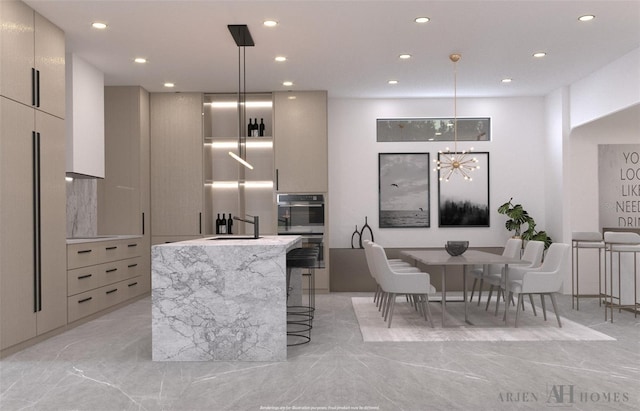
pixel 441 258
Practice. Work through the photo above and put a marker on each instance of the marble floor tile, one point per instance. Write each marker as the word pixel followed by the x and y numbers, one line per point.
pixel 106 364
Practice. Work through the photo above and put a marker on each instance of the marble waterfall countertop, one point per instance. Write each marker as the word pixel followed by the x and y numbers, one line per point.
pixel 220 300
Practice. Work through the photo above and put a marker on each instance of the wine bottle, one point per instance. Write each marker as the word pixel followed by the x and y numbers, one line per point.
pixel 255 130
pixel 261 129
pixel 218 221
pixel 230 225
pixel 223 224
pixel 249 128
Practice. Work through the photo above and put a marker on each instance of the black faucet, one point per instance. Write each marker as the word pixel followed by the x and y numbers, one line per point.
pixel 255 222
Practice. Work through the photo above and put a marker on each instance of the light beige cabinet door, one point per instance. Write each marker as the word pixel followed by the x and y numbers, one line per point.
pixel 16 51
pixel 49 61
pixel 53 200
pixel 119 207
pixel 300 142
pixel 176 164
pixel 31 304
pixel 17 303
pixel 32 58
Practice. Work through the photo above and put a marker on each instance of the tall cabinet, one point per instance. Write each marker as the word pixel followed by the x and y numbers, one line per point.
pixel 32 172
pixel 176 166
pixel 124 194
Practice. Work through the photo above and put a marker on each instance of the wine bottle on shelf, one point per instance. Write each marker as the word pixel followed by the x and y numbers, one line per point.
pixel 255 130
pixel 230 225
pixel 261 129
pixel 249 128
pixel 218 222
pixel 223 224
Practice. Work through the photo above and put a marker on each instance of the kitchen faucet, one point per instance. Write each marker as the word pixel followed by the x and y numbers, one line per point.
pixel 255 222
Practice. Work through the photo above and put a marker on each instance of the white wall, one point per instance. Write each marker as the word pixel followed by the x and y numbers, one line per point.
pixel 517 158
pixel 612 88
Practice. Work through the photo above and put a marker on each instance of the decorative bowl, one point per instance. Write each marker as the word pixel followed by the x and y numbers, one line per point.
pixel 456 247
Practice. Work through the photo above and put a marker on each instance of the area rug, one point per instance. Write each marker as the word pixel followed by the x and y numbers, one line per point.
pixel 408 325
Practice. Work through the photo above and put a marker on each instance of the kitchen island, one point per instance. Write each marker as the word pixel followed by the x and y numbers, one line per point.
pixel 220 299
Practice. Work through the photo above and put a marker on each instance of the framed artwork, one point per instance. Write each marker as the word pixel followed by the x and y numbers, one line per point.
pixel 432 129
pixel 463 203
pixel 403 187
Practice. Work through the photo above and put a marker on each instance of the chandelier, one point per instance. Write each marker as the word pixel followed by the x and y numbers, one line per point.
pixel 453 162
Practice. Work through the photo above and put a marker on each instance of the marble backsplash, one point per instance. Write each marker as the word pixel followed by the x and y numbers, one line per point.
pixel 82 207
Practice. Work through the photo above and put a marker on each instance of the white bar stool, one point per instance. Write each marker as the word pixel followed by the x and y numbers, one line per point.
pixel 585 240
pixel 621 242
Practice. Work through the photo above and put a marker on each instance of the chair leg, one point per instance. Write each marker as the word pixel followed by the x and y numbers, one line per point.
pixel 393 304
pixel 385 310
pixel 489 297
pixel 498 300
pixel 544 309
pixel 480 290
pixel 517 307
pixel 555 308
pixel 533 307
pixel 426 297
pixel 473 289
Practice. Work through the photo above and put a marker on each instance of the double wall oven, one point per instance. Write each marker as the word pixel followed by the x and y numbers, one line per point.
pixel 303 215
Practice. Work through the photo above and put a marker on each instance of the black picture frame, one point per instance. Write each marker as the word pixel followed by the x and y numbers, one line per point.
pixel 463 203
pixel 433 129
pixel 403 190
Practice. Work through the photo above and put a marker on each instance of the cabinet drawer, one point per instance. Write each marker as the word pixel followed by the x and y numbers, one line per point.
pixel 135 287
pixel 110 251
pixel 82 255
pixel 132 248
pixel 84 304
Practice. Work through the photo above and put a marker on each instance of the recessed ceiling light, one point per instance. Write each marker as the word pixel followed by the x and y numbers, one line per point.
pixel 422 19
pixel 287 83
pixel 405 56
pixel 281 58
pixel 539 54
pixel 98 25
pixel 587 17
pixel 169 85
pixel 140 60
pixel 270 23
pixel 507 80
pixel 392 82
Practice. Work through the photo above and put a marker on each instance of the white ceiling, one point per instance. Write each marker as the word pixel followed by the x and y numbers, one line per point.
pixel 350 48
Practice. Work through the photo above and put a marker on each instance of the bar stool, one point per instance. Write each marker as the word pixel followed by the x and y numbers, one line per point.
pixel 585 240
pixel 300 317
pixel 621 243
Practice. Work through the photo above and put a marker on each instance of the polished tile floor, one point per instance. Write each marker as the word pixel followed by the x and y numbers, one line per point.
pixel 106 364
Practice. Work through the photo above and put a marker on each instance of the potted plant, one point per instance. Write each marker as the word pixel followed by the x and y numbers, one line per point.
pixel 518 216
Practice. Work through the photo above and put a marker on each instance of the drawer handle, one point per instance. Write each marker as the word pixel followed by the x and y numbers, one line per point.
pixel 132 245
pixel 111 248
pixel 111 291
pixel 84 276
pixel 132 284
pixel 84 251
pixel 111 270
pixel 132 265
pixel 84 300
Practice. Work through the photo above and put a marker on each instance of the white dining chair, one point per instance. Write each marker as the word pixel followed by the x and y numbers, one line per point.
pixel 511 249
pixel 533 252
pixel 543 280
pixel 414 284
pixel 398 265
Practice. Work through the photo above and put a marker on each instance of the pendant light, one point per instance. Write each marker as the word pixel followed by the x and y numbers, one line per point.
pixel 242 37
pixel 450 163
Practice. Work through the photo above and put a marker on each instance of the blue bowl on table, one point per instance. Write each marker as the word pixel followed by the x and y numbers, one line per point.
pixel 455 248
